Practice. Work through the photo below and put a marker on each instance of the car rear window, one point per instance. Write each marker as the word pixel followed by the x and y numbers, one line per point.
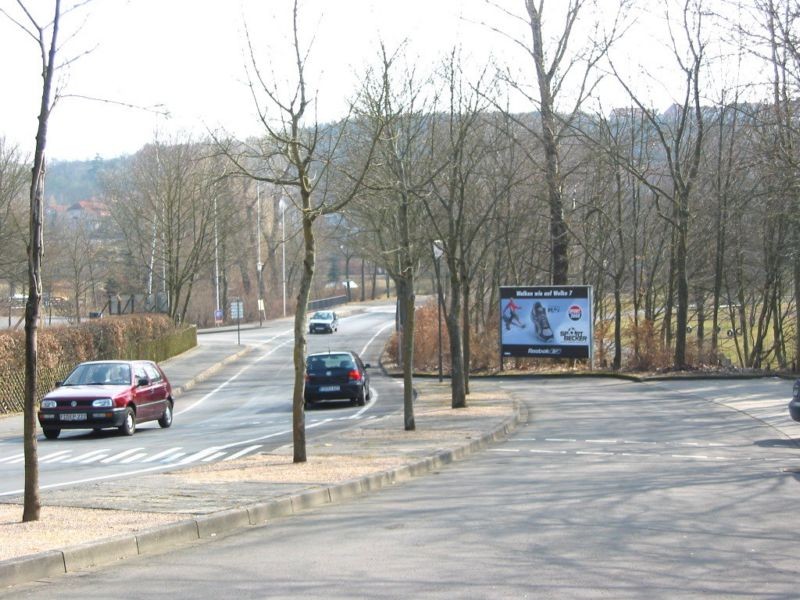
pixel 330 361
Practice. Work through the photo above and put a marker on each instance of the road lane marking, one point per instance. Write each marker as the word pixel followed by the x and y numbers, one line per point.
pixel 162 454
pixel 85 455
pixel 94 458
pixel 119 456
pixel 174 457
pixel 213 456
pixel 234 377
pixel 559 440
pixel 243 452
pixel 55 456
pixel 133 458
pixel 695 456
pixel 200 454
pixel 12 458
pixel 372 339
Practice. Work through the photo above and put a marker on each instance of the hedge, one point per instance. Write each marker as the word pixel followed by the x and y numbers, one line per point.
pixel 142 336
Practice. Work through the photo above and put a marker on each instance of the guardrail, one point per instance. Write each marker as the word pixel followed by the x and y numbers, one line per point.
pixel 327 302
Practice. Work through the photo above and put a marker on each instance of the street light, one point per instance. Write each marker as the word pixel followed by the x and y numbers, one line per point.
pixel 259 264
pixel 346 255
pixel 282 206
pixel 217 312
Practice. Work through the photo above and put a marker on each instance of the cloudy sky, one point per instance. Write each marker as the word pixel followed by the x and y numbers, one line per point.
pixel 189 57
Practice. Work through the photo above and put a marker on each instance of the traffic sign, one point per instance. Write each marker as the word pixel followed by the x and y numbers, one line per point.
pixel 237 309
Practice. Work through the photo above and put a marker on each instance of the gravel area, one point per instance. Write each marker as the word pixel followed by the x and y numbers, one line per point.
pixel 62 526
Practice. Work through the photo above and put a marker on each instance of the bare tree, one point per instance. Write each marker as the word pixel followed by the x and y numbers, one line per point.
pixel 163 201
pixel 389 210
pixel 45 36
pixel 300 160
pixel 77 256
pixel 680 135
pixel 457 209
pixel 553 64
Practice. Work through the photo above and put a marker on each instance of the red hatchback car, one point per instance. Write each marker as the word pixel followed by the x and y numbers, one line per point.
pixel 110 393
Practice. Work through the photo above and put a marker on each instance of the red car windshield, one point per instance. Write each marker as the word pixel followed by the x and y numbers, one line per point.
pixel 100 374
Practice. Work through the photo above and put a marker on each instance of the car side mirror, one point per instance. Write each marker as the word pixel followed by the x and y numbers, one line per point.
pixel 142 381
pixel 58 383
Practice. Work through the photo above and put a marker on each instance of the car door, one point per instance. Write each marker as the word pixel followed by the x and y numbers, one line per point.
pixel 142 393
pixel 156 392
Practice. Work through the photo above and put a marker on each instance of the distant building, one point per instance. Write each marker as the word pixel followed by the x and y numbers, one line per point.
pixel 90 210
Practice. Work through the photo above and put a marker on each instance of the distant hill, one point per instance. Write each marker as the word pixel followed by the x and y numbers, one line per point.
pixel 69 182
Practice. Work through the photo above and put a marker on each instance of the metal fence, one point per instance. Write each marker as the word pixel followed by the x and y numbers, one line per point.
pixel 327 302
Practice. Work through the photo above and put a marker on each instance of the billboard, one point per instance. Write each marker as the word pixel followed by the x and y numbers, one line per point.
pixel 552 321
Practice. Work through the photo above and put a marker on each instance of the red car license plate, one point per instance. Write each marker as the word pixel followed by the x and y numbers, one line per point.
pixel 74 417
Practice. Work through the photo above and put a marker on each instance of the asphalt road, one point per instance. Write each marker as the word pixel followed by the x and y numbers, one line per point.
pixel 245 407
pixel 611 490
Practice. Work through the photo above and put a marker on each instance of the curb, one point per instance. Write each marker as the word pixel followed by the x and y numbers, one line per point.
pixel 158 539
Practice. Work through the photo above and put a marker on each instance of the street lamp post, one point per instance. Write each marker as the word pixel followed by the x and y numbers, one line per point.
pixel 282 206
pixel 216 263
pixel 259 264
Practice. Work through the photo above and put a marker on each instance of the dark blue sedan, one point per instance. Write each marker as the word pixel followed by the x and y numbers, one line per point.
pixel 336 376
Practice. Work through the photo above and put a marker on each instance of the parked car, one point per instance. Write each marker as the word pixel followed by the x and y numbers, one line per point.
pixel 336 375
pixel 110 393
pixel 324 321
pixel 794 405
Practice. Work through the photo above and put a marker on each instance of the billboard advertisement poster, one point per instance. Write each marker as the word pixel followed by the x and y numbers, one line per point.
pixel 552 321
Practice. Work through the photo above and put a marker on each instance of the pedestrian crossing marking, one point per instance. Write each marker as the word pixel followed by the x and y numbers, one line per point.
pixel 105 456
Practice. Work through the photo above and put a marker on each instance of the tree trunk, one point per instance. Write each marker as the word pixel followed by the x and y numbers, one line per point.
pixel 298 401
pixel 466 337
pixel 558 228
pixel 363 281
pixel 617 322
pixel 453 319
pixel 682 316
pixel 32 502
pixel 405 296
pixel 796 364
